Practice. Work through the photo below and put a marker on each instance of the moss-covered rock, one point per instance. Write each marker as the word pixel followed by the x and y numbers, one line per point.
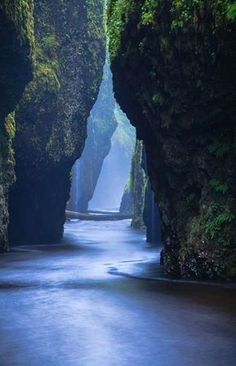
pixel 138 183
pixel 52 115
pixel 174 66
pixel 16 50
pixel 126 205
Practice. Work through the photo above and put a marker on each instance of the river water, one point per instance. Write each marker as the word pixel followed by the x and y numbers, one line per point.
pixel 76 304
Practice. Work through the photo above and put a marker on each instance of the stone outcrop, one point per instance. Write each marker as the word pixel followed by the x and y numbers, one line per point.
pixel 16 47
pixel 52 115
pixel 174 67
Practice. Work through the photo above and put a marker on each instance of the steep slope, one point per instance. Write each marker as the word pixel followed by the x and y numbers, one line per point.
pixel 51 118
pixel 16 45
pixel 174 67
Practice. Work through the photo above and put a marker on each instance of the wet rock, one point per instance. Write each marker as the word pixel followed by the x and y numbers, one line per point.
pixel 52 115
pixel 16 48
pixel 174 67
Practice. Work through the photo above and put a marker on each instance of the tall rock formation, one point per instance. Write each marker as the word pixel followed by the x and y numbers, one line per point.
pixel 174 67
pixel 16 46
pixel 52 115
pixel 138 183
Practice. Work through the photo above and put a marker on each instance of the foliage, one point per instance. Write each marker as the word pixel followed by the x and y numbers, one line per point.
pixel 231 11
pixel 214 226
pixel 180 92
pixel 218 186
pixel 50 44
pixel 52 116
pixel 16 53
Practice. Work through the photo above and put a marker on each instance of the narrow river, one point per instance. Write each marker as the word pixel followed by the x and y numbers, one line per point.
pixel 71 304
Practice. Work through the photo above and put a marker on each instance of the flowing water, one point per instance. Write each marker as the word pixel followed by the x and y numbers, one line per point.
pixel 77 304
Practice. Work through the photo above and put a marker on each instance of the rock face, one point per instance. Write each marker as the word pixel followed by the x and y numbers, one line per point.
pixel 126 205
pixel 101 126
pixel 52 115
pixel 16 45
pixel 138 186
pixel 174 67
pixel 151 217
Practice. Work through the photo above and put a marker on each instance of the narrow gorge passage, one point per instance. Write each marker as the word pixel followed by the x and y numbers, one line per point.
pixel 117 183
pixel 66 298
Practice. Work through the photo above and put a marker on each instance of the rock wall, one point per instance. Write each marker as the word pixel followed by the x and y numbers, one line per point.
pixel 16 47
pixel 151 218
pixel 174 67
pixel 138 183
pixel 52 115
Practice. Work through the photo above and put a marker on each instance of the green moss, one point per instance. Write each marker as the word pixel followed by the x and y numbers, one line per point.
pixel 180 93
pixel 138 182
pixel 219 187
pixel 10 125
pixel 231 11
pixel 16 53
pixel 52 115
pixel 50 45
pixel 21 14
pixel 214 226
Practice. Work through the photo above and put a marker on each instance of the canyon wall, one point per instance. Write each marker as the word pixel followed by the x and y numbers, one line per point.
pixel 174 68
pixel 138 181
pixel 16 49
pixel 52 116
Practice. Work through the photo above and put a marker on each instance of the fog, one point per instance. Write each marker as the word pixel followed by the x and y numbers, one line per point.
pixel 116 167
pixel 100 175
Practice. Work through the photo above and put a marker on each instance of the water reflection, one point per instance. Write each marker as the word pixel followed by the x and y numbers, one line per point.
pixel 60 306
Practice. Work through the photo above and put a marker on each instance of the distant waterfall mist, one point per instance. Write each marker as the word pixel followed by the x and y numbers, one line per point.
pixel 100 175
pixel 116 167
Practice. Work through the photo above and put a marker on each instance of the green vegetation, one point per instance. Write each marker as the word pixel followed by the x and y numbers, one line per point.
pixel 214 226
pixel 16 52
pixel 219 187
pixel 138 182
pixel 52 115
pixel 20 13
pixel 231 11
pixel 180 94
pixel 50 44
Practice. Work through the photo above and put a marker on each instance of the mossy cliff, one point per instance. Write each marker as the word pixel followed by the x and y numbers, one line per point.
pixel 52 115
pixel 138 183
pixel 174 67
pixel 16 48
